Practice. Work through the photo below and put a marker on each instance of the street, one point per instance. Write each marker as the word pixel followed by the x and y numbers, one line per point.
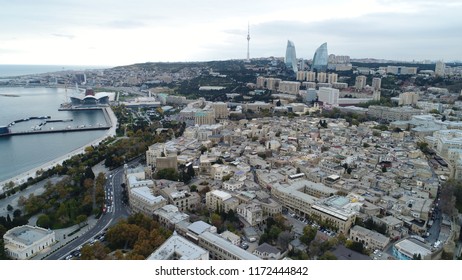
pixel 118 210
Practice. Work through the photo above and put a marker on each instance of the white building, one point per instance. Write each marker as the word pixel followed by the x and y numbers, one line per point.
pixel 169 215
pixel 179 248
pixel 26 241
pixel 142 200
pixel 328 95
pixel 252 213
pixel 233 185
pixel 216 198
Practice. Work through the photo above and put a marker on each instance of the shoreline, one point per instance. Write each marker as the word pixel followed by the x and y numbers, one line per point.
pixel 22 178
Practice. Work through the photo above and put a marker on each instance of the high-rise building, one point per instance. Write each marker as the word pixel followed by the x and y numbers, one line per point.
pixel 408 98
pixel 360 82
pixel 311 76
pixel 376 83
pixel 289 87
pixel 320 58
pixel 332 78
pixel 301 75
pixel 322 77
pixel 291 59
pixel 440 68
pixel 328 95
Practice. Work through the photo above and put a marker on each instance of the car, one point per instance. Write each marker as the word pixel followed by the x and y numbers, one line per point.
pixel 245 246
pixel 69 257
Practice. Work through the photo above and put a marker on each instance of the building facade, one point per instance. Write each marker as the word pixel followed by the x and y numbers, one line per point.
pixel 26 241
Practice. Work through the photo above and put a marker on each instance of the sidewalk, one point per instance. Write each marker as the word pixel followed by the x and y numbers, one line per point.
pixel 62 237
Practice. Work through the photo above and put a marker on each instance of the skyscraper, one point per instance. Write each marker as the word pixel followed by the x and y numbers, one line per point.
pixel 439 68
pixel 320 58
pixel 248 42
pixel 291 59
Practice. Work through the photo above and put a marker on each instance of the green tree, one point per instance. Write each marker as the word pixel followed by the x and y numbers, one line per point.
pixel 9 208
pixel 327 256
pixel 80 219
pixel 44 221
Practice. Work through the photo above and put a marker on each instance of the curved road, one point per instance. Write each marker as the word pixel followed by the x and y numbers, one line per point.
pixel 115 212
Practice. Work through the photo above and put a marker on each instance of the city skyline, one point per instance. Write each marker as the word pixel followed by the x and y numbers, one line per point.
pixel 115 33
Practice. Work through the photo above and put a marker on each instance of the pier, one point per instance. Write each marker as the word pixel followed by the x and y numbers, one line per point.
pixel 77 129
pixel 6 131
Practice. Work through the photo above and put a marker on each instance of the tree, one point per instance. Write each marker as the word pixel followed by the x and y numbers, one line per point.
pixel 284 239
pixel 9 208
pixel 17 213
pixel 327 256
pixel 215 219
pixel 80 219
pixel 309 233
pixel 44 221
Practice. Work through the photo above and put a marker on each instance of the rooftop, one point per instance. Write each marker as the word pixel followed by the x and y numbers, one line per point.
pixel 27 235
pixel 177 247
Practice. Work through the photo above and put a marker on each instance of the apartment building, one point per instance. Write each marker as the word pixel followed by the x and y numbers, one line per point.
pixel 370 239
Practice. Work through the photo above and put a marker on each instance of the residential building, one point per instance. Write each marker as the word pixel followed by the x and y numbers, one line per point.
pixel 231 237
pixel 328 96
pixel 332 78
pixel 289 87
pixel 215 199
pixel 169 216
pixel 252 213
pixel 393 114
pixel 183 199
pixel 376 83
pixel 221 249
pixel 293 197
pixel 360 82
pixel 233 185
pixel 401 70
pixel 26 241
pixel 440 68
pixel 177 247
pixel 311 76
pixel 337 211
pixel 370 239
pixel 321 77
pixel 221 110
pixel 142 200
pixel 408 98
pixel 267 252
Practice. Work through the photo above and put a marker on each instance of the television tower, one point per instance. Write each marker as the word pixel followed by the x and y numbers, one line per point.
pixel 248 42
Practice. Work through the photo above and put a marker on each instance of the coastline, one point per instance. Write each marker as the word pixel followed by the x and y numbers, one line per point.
pixel 22 178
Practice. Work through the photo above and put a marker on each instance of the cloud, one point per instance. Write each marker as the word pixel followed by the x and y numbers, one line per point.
pixel 67 36
pixel 125 24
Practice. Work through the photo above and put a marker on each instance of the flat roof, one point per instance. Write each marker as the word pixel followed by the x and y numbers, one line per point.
pixel 199 227
pixel 186 250
pixel 27 235
pixel 226 245
pixel 145 193
pixel 411 247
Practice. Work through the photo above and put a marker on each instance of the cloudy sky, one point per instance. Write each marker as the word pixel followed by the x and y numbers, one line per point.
pixel 121 32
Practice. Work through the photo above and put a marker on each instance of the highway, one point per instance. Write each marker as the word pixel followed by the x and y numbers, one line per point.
pixel 115 211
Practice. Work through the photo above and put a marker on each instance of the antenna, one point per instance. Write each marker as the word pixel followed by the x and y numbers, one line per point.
pixel 248 42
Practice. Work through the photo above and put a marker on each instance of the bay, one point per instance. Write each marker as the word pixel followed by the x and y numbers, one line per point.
pixel 21 153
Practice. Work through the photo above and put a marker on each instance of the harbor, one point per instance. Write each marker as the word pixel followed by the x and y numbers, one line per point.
pixel 5 131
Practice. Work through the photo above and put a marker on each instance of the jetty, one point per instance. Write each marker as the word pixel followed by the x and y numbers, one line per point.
pixel 5 131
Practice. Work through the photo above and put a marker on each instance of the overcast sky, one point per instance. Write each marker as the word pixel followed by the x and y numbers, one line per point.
pixel 121 32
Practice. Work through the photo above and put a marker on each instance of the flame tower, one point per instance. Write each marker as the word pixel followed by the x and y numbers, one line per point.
pixel 248 42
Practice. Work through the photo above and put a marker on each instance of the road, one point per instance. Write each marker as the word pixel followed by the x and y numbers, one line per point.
pixel 116 211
